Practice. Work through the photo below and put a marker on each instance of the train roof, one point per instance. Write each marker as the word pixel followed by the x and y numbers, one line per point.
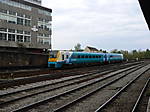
pixel 88 53
pixel 85 53
pixel 114 54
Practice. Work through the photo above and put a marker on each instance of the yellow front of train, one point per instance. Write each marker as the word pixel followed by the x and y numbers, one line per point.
pixel 55 59
pixel 52 60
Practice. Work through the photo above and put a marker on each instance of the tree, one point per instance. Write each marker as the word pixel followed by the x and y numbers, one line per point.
pixel 114 51
pixel 77 47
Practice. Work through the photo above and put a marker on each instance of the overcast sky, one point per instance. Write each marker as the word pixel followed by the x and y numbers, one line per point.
pixel 104 24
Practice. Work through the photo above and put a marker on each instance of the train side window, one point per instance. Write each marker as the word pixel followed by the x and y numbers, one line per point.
pixel 78 56
pixel 63 57
pixel 86 56
pixel 67 56
pixel 96 56
pixel 82 56
pixel 111 56
pixel 90 56
pixel 74 56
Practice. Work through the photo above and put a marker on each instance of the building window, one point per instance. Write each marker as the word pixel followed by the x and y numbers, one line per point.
pixel 20 21
pixel 46 41
pixel 3 11
pixel 11 30
pixel 40 41
pixel 27 22
pixel 19 14
pixel 20 31
pixel 3 17
pixel 16 4
pixel 12 19
pixel 27 39
pixel 3 29
pixel 40 34
pixel 3 36
pixel 12 13
pixel 19 38
pixel 44 12
pixel 46 35
pixel 27 16
pixel 44 24
pixel 11 37
pixel 27 32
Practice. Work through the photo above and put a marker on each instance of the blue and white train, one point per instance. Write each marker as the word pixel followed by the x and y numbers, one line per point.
pixel 58 59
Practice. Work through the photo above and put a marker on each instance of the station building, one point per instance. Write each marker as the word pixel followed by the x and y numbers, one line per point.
pixel 25 23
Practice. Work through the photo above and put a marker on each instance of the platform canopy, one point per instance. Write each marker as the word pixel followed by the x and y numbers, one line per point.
pixel 145 6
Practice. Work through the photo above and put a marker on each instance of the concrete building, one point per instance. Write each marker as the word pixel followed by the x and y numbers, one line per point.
pixel 38 2
pixel 25 23
pixel 90 49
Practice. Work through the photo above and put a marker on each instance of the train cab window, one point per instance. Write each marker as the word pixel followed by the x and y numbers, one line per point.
pixel 63 57
pixel 53 55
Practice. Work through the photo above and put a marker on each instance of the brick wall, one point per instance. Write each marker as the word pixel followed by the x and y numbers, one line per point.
pixel 18 59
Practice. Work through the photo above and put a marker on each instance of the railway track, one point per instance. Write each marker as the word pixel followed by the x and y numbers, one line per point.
pixel 6 83
pixel 83 74
pixel 79 85
pixel 119 102
pixel 81 99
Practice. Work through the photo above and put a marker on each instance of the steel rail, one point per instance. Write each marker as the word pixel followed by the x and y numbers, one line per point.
pixel 90 93
pixel 123 88
pixel 51 89
pixel 41 86
pixel 66 92
pixel 148 106
pixel 47 90
pixel 77 77
pixel 80 76
pixel 140 96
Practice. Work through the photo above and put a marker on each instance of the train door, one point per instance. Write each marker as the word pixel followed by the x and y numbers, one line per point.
pixel 63 57
pixel 105 58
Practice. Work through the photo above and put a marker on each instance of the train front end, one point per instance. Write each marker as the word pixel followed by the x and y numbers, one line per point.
pixel 52 60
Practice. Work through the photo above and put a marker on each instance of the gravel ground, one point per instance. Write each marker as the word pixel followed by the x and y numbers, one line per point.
pixel 94 101
pixel 142 107
pixel 148 106
pixel 26 86
pixel 126 101
pixel 32 99
pixel 43 96
pixel 63 100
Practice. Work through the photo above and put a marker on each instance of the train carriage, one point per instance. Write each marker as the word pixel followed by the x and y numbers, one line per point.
pixel 57 59
pixel 114 57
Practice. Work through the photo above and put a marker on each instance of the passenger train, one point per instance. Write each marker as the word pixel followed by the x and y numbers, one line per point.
pixel 58 59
